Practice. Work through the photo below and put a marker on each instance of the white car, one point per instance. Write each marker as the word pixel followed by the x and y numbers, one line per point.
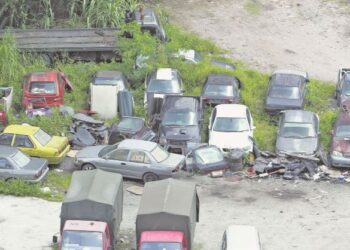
pixel 241 237
pixel 230 127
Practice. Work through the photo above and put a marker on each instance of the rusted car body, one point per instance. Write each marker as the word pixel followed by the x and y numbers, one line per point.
pixel 340 146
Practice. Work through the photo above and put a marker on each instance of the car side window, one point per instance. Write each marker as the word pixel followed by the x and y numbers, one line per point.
pixel 6 139
pixel 137 156
pixel 4 164
pixel 147 159
pixel 119 155
pixel 23 141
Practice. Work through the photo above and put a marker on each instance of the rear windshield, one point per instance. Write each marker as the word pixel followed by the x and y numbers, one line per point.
pixel 165 86
pixel 42 88
pixel 284 92
pixel 160 246
pixel 159 154
pixel 343 131
pixel 219 90
pixel 42 137
pixel 130 123
pixel 108 81
pixel 20 159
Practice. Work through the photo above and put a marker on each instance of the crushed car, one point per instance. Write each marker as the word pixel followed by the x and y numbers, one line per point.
pixel 131 128
pixel 6 95
pixel 44 89
pixel 221 88
pixel 298 133
pixel 180 123
pixel 131 158
pixel 287 90
pixel 342 91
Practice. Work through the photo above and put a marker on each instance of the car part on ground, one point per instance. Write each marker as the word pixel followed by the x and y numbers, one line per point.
pixel 287 90
pixel 298 133
pixel 6 96
pixel 132 158
pixel 220 89
pixel 130 128
pixel 16 165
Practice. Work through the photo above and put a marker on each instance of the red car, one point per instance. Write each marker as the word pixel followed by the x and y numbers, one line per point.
pixel 340 147
pixel 44 89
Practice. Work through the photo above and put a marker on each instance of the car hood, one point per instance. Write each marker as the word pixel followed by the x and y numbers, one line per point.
pixel 278 103
pixel 187 133
pixel 58 142
pixel 90 152
pixel 306 146
pixel 173 160
pixel 341 145
pixel 35 164
pixel 230 140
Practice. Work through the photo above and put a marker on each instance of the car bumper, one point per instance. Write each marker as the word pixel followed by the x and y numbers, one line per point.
pixel 340 161
pixel 55 160
pixel 41 177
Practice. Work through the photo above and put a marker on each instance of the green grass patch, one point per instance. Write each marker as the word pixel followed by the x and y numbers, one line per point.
pixel 253 7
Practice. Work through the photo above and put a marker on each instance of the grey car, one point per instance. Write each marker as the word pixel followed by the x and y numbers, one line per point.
pixel 298 133
pixel 132 158
pixel 16 165
pixel 287 90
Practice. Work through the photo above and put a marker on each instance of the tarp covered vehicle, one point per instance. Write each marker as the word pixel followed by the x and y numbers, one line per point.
pixel 167 215
pixel 92 210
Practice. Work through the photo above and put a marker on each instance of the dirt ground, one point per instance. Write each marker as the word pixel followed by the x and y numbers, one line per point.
pixel 289 215
pixel 310 35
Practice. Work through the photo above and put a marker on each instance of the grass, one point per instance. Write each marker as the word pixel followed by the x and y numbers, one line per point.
pixel 253 7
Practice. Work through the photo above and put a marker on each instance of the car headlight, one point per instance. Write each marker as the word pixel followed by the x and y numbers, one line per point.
pixel 162 139
pixel 337 153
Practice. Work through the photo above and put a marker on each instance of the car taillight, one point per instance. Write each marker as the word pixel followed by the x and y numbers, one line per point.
pixel 39 173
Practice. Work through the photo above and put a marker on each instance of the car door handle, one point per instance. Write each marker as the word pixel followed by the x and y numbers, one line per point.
pixel 123 163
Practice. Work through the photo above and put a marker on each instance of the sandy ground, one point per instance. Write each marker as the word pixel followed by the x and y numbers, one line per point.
pixel 312 35
pixel 289 215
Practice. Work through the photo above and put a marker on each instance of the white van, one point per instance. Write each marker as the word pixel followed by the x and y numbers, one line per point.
pixel 241 237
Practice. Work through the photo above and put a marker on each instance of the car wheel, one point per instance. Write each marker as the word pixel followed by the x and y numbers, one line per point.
pixel 147 177
pixel 88 166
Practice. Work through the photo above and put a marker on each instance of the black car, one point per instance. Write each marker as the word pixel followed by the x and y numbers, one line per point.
pixel 220 89
pixel 343 89
pixel 180 123
pixel 287 90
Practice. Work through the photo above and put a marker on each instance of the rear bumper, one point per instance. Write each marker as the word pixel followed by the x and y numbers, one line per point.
pixel 54 160
pixel 340 161
pixel 41 177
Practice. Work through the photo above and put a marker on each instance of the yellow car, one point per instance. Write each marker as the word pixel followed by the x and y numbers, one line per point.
pixel 36 142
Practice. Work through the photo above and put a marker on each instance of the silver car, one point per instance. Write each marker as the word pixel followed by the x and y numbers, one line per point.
pixel 135 159
pixel 16 165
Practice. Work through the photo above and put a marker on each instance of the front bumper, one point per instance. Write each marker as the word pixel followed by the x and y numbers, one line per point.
pixel 340 161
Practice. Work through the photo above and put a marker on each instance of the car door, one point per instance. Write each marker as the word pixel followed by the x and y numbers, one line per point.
pixel 6 169
pixel 116 161
pixel 24 143
pixel 138 163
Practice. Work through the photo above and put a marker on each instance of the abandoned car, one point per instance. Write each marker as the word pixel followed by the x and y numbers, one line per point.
pixel 298 133
pixel 340 146
pixel 230 127
pixel 44 89
pixel 16 165
pixel 287 90
pixel 221 88
pixel 149 21
pixel 36 142
pixel 342 91
pixel 131 158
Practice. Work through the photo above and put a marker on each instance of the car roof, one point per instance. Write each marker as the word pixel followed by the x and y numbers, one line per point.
pixel 109 74
pixel 298 116
pixel 6 151
pixel 42 76
pixel 231 110
pixel 21 129
pixel 222 79
pixel 291 72
pixel 242 237
pixel 137 144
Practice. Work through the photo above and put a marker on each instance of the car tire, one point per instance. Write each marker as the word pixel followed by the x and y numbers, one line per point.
pixel 148 177
pixel 88 166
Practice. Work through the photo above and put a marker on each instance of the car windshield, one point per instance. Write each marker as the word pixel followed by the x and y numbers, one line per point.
pixel 164 86
pixel 219 90
pixel 284 92
pixel 131 123
pixel 346 89
pixel 79 240
pixel 20 159
pixel 228 124
pixel 160 246
pixel 181 118
pixel 109 81
pixel 107 149
pixel 159 154
pixel 208 155
pixel 42 137
pixel 42 88
pixel 297 130
pixel 343 131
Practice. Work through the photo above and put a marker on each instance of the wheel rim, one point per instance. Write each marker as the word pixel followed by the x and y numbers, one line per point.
pixel 150 177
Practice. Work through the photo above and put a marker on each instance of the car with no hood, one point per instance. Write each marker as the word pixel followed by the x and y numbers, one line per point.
pixel 36 142
pixel 287 90
pixel 230 127
pixel 16 165
pixel 298 133
pixel 131 158
pixel 340 146
pixel 220 89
